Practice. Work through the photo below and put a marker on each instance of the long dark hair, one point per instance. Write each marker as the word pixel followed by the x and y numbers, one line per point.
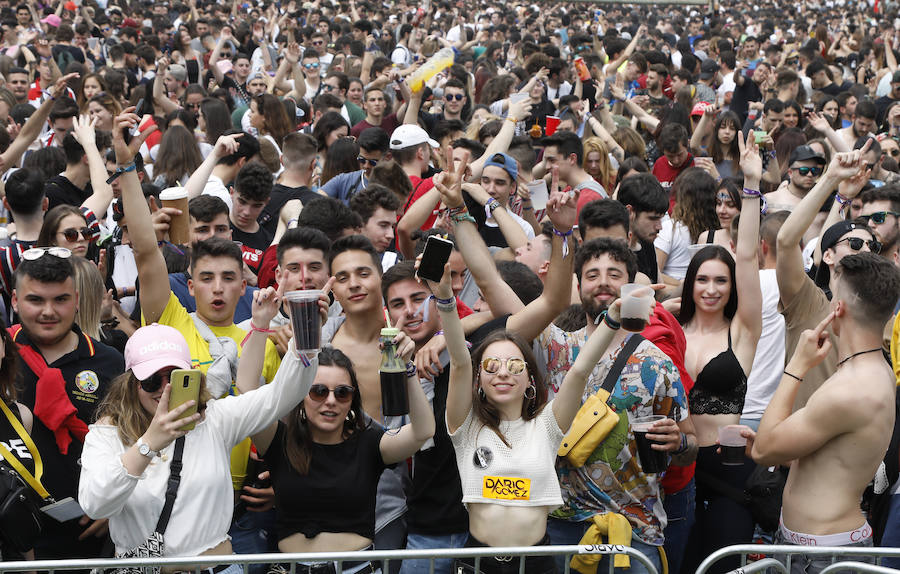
pixel 8 366
pixel 278 125
pixel 695 206
pixel 298 440
pixel 217 117
pixel 717 149
pixel 708 253
pixel 47 235
pixel 487 413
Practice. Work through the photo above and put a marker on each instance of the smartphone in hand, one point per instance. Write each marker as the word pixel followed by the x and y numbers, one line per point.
pixel 436 254
pixel 185 387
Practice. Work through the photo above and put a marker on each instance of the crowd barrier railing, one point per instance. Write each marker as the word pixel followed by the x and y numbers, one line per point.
pixel 788 553
pixel 197 563
pixel 858 567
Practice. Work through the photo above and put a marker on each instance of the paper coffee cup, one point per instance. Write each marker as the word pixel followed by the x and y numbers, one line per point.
pixel 179 225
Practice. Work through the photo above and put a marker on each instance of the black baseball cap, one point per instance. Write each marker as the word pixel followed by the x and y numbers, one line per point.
pixel 803 153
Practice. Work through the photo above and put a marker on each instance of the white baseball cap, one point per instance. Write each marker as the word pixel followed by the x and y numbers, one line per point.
pixel 409 135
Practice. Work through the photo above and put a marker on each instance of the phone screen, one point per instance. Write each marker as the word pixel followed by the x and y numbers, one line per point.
pixel 436 254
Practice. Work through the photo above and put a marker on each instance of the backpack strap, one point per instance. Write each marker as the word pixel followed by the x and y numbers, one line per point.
pixel 616 370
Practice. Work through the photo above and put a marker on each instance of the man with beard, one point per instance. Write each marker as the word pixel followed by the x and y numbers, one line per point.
pixel 805 167
pixel 656 76
pixel 863 123
pixel 650 384
pixel 881 209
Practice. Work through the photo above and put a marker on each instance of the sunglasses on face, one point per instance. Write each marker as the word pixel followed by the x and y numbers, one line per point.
pixel 879 217
pixel 71 234
pixel 804 171
pixel 514 366
pixel 366 161
pixel 156 381
pixel 342 393
pixel 317 42
pixel 856 243
pixel 451 97
pixel 37 252
pixel 312 66
pixel 192 106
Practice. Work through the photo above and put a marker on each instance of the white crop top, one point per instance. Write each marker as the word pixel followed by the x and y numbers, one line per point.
pixel 522 474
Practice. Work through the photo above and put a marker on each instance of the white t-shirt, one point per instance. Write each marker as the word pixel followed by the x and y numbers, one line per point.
pixel 674 239
pixel 522 474
pixel 769 360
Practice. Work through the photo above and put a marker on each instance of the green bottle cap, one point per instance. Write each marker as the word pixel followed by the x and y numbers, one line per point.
pixel 390 332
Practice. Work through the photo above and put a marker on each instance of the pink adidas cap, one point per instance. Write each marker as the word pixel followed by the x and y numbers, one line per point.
pixel 155 347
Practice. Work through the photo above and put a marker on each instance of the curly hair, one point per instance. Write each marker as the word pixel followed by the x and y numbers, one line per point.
pixel 695 204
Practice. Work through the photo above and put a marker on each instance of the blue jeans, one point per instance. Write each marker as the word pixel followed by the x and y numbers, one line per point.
pixel 680 510
pixel 752 423
pixel 891 536
pixel 424 541
pixel 563 532
pixel 254 533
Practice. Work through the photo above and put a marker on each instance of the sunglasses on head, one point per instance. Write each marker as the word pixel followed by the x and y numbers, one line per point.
pixel 856 243
pixel 451 97
pixel 514 366
pixel 366 161
pixel 809 170
pixel 37 252
pixel 342 393
pixel 879 217
pixel 156 381
pixel 72 233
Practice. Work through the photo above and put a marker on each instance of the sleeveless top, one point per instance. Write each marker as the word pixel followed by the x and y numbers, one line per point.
pixel 720 386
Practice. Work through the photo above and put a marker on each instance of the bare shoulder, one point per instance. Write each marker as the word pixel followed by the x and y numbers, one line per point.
pixel 858 395
pixel 26 416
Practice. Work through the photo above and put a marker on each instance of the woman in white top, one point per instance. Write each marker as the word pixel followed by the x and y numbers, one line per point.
pixel 127 453
pixel 694 213
pixel 504 435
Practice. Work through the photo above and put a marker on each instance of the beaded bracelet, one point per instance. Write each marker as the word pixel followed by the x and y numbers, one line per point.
pixel 410 369
pixel 460 217
pixel 755 194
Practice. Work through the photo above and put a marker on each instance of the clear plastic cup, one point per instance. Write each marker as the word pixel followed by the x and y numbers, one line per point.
pixel 652 461
pixel 732 444
pixel 637 302
pixel 539 193
pixel 306 323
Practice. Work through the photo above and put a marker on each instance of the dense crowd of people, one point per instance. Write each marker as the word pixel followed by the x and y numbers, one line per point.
pixel 176 174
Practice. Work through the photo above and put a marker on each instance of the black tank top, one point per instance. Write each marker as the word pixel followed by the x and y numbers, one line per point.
pixel 720 387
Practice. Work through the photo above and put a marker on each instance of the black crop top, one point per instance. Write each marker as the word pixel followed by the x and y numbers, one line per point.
pixel 338 493
pixel 720 387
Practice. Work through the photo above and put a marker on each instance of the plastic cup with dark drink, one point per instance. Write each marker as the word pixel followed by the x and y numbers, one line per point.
pixel 394 398
pixel 637 302
pixel 306 323
pixel 652 461
pixel 179 225
pixel 733 445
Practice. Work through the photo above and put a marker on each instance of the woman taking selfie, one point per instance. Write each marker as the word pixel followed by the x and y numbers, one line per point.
pixel 129 450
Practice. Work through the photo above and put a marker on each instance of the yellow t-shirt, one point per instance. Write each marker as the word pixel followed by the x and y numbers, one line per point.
pixel 176 316
pixel 895 347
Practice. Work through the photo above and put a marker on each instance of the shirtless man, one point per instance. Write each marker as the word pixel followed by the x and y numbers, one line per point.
pixel 833 458
pixel 805 167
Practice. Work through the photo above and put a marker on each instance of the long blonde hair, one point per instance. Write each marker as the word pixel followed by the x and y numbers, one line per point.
pixel 89 285
pixel 122 407
pixel 607 176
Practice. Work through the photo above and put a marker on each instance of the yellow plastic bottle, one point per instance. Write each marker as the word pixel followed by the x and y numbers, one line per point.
pixel 441 60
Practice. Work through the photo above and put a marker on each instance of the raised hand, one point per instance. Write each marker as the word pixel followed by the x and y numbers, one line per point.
pixel 449 182
pixel 166 425
pixel 266 303
pixel 125 121
pixel 751 162
pixel 818 121
pixel 846 164
pixel 440 290
pixel 84 130
pixel 61 84
pixel 561 207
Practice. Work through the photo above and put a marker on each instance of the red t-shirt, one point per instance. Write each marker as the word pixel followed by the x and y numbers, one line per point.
pixel 666 333
pixel 666 175
pixel 420 188
pixel 388 124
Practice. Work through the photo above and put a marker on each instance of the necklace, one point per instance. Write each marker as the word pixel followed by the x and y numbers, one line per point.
pixel 842 361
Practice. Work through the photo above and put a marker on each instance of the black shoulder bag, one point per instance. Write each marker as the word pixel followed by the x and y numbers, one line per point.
pixel 154 546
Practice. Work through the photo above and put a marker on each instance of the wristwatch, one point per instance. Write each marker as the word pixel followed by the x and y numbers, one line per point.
pixel 145 450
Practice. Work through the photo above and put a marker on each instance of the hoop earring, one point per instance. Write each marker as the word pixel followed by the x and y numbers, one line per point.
pixel 481 394
pixel 533 392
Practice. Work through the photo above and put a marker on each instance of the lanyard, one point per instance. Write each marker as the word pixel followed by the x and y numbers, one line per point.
pixel 34 481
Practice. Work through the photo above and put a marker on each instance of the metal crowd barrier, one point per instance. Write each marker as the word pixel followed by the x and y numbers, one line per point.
pixel 858 567
pixel 787 553
pixel 197 563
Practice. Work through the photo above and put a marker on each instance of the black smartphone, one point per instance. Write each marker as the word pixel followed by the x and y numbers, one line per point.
pixel 436 254
pixel 139 108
